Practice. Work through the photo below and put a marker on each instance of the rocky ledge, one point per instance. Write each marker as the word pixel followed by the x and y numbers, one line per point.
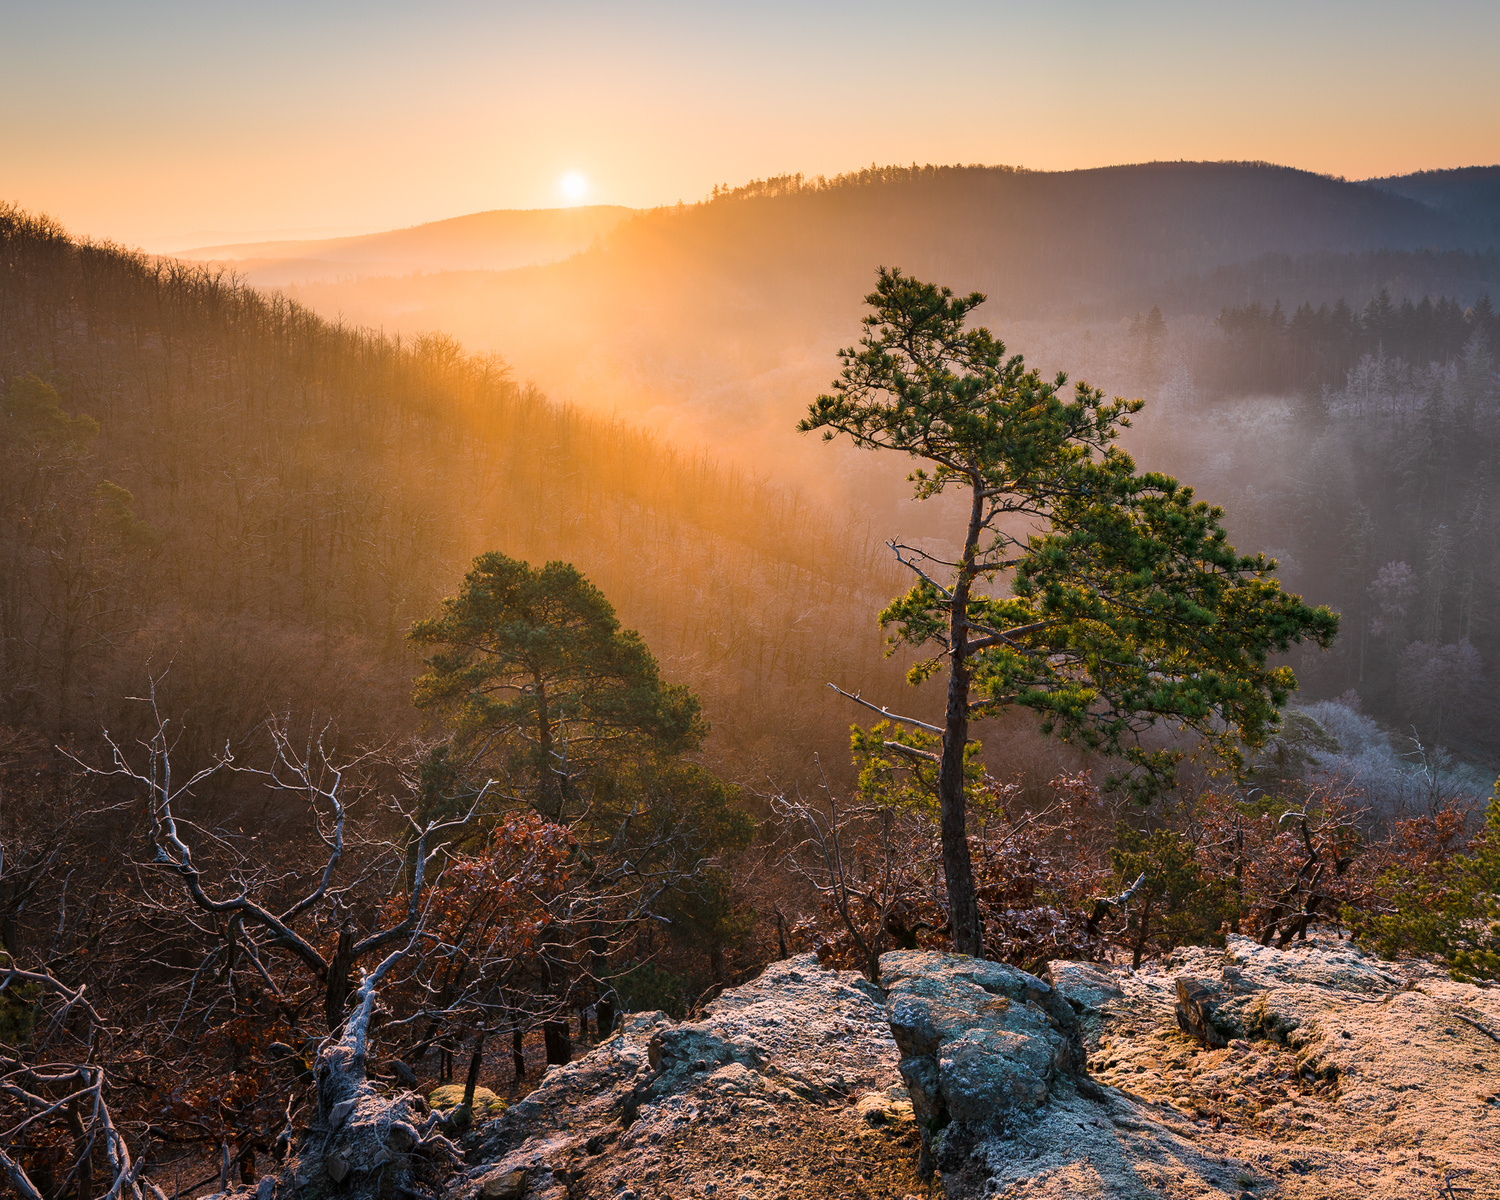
pixel 786 1086
pixel 1242 1072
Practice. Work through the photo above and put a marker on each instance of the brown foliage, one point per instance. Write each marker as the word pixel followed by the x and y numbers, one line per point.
pixel 1048 890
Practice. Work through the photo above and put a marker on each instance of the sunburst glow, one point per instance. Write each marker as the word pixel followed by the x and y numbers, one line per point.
pixel 573 186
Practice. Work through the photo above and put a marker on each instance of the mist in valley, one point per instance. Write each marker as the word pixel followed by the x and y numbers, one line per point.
pixel 477 581
pixel 1321 361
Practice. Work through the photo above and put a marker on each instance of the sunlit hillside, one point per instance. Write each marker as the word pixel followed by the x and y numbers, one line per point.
pixel 719 319
pixel 714 323
pixel 270 500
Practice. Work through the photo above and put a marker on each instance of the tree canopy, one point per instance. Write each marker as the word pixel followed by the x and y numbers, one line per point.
pixel 1126 604
pixel 534 671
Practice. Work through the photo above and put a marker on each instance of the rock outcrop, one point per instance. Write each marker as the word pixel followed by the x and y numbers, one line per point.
pixel 1310 1072
pixel 787 1086
pixel 1247 1071
pixel 979 1042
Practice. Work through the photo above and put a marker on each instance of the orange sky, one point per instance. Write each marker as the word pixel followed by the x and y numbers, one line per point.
pixel 173 124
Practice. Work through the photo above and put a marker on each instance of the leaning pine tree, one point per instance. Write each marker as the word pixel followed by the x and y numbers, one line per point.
pixel 1126 605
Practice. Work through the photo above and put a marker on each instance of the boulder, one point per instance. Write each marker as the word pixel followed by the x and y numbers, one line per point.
pixel 698 1047
pixel 979 1041
pixel 449 1096
pixel 1202 1012
pixel 503 1185
pixel 1259 991
pixel 1088 987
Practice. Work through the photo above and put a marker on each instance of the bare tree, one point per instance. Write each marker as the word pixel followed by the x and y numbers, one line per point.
pixel 849 857
pixel 221 928
pixel 250 928
pixel 63 1091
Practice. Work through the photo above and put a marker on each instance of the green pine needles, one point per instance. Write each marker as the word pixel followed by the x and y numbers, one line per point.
pixel 1125 606
pixel 1454 913
pixel 533 670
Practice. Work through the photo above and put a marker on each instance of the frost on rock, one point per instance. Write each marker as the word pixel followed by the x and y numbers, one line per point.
pixel 1328 1074
pixel 644 1107
pixel 979 1040
pixel 1308 1072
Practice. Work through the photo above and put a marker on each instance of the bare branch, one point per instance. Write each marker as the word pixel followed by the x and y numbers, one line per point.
pixel 885 712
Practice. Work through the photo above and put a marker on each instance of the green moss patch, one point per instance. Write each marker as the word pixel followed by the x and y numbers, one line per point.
pixel 451 1095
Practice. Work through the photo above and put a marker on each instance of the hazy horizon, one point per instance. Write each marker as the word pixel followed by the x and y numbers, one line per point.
pixel 382 118
pixel 465 467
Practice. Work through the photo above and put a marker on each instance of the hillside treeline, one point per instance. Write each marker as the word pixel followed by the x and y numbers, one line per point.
pixel 1374 487
pixel 200 475
pixel 1054 241
pixel 1326 278
pixel 715 321
pixel 1266 350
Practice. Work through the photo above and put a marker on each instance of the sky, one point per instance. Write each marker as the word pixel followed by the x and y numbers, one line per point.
pixel 168 124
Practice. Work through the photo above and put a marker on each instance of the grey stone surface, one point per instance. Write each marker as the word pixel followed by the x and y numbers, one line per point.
pixel 979 1041
pixel 1347 1076
pixel 1088 987
pixel 799 1034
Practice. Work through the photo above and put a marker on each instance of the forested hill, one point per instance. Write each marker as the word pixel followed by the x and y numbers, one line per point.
pixel 488 240
pixel 720 319
pixel 196 474
pixel 1036 242
pixel 1468 198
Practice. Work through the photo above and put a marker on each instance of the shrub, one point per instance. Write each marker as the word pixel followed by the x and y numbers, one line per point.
pixel 1452 909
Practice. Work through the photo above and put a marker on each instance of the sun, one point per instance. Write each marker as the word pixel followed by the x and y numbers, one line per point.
pixel 573 186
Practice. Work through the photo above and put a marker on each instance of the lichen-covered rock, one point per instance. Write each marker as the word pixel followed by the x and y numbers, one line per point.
pixel 1249 990
pixel 699 1047
pixel 1351 1076
pixel 883 1108
pixel 979 1041
pixel 800 1039
pixel 450 1095
pixel 1087 987
pixel 1340 1071
pixel 1203 1011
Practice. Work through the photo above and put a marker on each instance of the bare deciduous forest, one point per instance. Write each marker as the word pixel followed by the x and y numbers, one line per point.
pixel 247 880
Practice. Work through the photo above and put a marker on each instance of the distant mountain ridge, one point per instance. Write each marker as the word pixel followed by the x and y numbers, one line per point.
pixel 724 315
pixel 494 241
pixel 1466 196
pixel 1035 242
pixel 785 261
pixel 1032 238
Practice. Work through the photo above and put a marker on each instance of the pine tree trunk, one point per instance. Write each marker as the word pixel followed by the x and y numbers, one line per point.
pixel 958 869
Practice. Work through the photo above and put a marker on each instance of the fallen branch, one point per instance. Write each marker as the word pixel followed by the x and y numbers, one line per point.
pixel 1484 1029
pixel 1104 904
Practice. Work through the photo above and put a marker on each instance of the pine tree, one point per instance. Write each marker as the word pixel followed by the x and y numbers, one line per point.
pixel 1455 915
pixel 1129 609
pixel 535 673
